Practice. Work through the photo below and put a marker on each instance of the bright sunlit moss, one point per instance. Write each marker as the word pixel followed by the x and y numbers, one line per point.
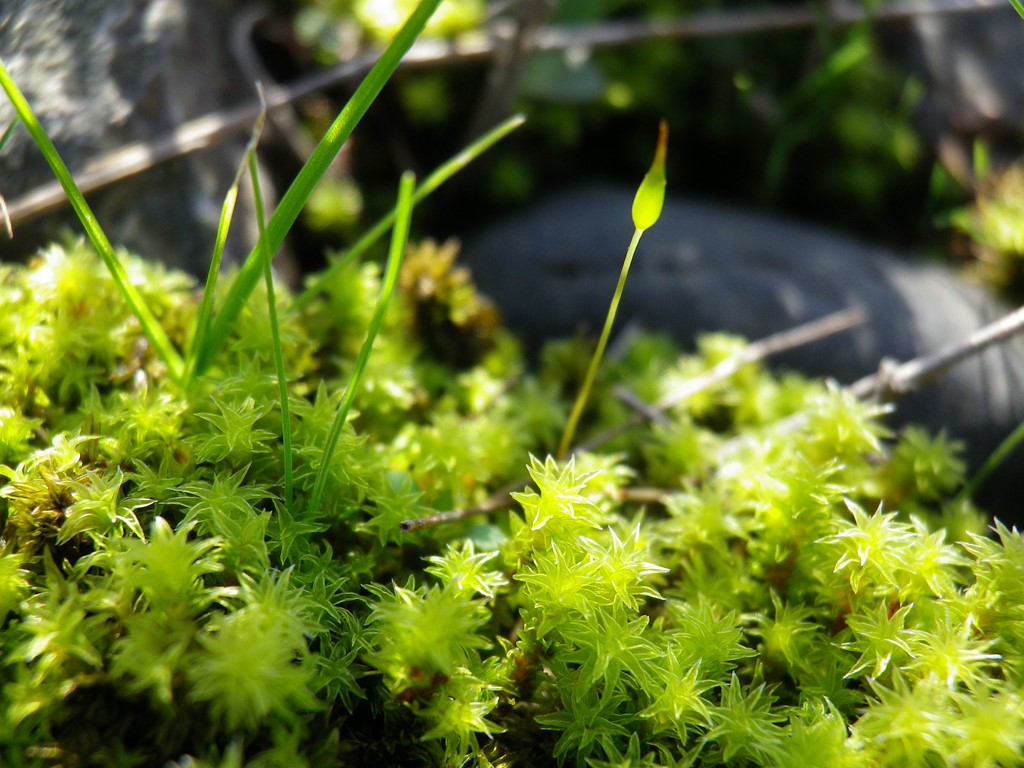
pixel 716 590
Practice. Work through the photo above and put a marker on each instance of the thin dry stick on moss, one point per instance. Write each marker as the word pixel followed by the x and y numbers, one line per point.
pixel 782 341
pixel 511 41
pixel 5 218
pixel 894 380
pixel 211 129
pixel 638 495
pixel 193 136
pixel 759 350
pixel 644 410
pixel 499 500
pixel 748 21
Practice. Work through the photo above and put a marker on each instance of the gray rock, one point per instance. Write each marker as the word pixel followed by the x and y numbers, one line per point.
pixel 706 267
pixel 970 66
pixel 103 74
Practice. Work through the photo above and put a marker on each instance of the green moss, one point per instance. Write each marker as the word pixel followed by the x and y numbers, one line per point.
pixel 718 590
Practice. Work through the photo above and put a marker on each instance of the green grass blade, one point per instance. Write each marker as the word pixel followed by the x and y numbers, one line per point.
pixel 8 131
pixel 992 463
pixel 204 314
pixel 399 238
pixel 154 332
pixel 1019 6
pixel 302 187
pixel 438 177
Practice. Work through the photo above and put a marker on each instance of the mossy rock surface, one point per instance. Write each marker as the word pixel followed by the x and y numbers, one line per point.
pixel 712 590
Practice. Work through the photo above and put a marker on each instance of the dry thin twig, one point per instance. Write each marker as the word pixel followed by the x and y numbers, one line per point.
pixel 747 21
pixel 211 129
pixel 637 495
pixel 779 342
pixel 894 380
pixel 511 39
pixel 193 136
pixel 752 353
pixel 499 500
pixel 5 218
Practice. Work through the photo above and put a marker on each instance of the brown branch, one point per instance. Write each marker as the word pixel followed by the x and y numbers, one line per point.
pixel 746 21
pixel 500 500
pixel 511 41
pixel 644 410
pixel 5 217
pixel 192 136
pixel 752 353
pixel 643 495
pixel 783 341
pixel 211 129
pixel 896 379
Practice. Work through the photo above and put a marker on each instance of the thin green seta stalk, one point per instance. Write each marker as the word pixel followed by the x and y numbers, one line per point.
pixel 305 182
pixel 595 360
pixel 399 238
pixel 438 177
pixel 147 320
pixel 647 205
pixel 205 311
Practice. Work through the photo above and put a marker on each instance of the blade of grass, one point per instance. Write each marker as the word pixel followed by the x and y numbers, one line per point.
pixel 150 326
pixel 8 131
pixel 399 238
pixel 438 177
pixel 992 463
pixel 302 187
pixel 275 329
pixel 227 211
pixel 1019 6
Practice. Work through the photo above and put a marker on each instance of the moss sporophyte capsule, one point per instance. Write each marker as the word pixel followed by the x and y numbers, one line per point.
pixel 647 205
pixel 650 197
